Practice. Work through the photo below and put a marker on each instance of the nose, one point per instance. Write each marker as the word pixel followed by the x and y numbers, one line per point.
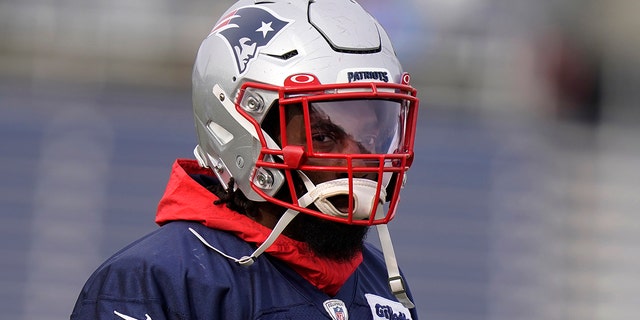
pixel 353 147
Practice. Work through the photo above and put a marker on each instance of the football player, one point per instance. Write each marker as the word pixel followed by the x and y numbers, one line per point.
pixel 305 123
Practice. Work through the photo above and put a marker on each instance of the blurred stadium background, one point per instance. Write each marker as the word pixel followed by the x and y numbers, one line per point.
pixel 522 204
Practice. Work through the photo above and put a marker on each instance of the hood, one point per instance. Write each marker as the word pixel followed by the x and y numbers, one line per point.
pixel 186 199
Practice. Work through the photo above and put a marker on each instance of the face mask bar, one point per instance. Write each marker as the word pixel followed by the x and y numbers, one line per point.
pixel 379 160
pixel 363 126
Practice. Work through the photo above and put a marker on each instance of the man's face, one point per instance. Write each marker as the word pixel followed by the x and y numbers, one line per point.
pixel 333 131
pixel 329 135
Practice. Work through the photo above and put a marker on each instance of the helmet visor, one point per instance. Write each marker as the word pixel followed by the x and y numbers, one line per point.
pixel 355 126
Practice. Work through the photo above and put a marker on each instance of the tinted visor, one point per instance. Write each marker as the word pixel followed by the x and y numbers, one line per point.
pixel 356 126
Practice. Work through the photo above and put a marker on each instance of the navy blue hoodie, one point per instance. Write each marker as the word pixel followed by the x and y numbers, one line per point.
pixel 172 274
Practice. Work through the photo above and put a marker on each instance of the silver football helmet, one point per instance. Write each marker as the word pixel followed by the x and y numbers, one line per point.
pixel 289 93
pixel 330 59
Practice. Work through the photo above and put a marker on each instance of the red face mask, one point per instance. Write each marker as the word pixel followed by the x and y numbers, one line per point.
pixel 350 144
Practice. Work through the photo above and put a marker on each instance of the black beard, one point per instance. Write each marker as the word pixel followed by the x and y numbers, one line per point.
pixel 328 239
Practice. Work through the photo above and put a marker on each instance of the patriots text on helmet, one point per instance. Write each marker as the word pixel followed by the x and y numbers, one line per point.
pixel 368 75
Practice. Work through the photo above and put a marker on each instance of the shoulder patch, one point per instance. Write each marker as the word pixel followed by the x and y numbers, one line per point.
pixel 336 309
pixel 385 309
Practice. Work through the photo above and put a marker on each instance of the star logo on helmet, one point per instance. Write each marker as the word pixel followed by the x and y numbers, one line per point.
pixel 265 28
pixel 248 29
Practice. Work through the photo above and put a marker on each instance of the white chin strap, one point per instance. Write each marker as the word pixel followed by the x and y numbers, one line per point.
pixel 396 281
pixel 364 191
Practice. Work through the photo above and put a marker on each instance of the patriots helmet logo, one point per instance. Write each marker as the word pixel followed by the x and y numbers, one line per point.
pixel 248 29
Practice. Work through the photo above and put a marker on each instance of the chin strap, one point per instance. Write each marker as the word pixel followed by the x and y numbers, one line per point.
pixel 246 261
pixel 282 223
pixel 361 190
pixel 396 282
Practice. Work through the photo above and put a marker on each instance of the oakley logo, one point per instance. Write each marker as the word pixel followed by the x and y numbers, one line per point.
pixel 246 30
pixel 406 78
pixel 301 79
pixel 368 75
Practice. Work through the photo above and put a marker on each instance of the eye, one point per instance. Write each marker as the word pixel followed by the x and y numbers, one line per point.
pixel 324 141
pixel 321 138
pixel 326 136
